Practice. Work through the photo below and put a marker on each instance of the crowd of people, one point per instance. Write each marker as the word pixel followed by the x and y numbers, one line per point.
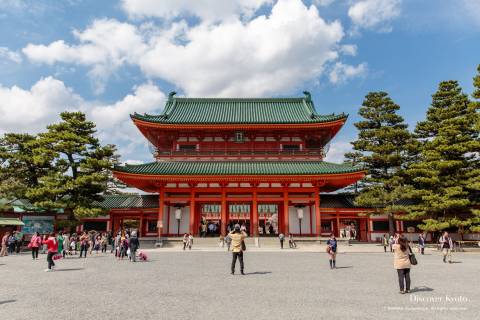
pixel 11 243
pixel 124 244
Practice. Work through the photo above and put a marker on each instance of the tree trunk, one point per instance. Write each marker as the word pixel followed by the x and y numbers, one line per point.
pixel 391 224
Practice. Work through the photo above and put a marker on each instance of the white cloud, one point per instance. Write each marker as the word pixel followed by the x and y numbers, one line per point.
pixel 349 49
pixel 6 53
pixel 33 109
pixel 114 122
pixel 210 10
pixel 341 72
pixel 323 3
pixel 337 151
pixel 268 54
pixel 374 14
pixel 471 9
pixel 105 45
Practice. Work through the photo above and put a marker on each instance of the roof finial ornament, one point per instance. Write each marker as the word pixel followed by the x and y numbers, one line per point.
pixel 171 94
pixel 308 96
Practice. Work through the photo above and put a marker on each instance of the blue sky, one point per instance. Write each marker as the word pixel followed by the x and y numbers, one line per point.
pixel 111 58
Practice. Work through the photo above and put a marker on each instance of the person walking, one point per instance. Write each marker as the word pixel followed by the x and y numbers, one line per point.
pixel 238 238
pixel 291 243
pixel 221 241
pixel 421 243
pixel 391 243
pixel 104 242
pixel 281 237
pixel 332 251
pixel 228 241
pixel 60 243
pixel 185 241
pixel 18 241
pixel 190 241
pixel 385 243
pixel 52 249
pixel 97 244
pixel 446 244
pixel 401 262
pixel 3 251
pixel 11 243
pixel 66 244
pixel 134 244
pixel 34 244
pixel 83 244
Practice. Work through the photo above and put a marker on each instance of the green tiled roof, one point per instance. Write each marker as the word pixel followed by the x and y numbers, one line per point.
pixel 238 168
pixel 239 111
pixel 124 201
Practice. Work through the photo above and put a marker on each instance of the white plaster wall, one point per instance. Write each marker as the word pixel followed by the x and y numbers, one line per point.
pixel 293 220
pixel 184 221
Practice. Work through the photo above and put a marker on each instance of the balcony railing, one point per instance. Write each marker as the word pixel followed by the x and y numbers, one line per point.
pixel 314 152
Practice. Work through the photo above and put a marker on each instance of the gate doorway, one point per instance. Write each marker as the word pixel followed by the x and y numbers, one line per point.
pixel 239 213
pixel 268 220
pixel 210 220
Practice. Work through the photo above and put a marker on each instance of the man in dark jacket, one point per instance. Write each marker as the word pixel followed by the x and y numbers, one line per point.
pixel 134 244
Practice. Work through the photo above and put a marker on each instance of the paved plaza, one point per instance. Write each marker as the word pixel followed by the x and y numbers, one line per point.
pixel 285 284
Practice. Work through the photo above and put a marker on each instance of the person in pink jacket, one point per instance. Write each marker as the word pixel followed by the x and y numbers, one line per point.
pixel 52 246
pixel 35 244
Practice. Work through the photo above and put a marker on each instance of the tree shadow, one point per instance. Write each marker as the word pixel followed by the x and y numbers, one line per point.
pixel 421 289
pixel 7 301
pixel 69 269
pixel 257 272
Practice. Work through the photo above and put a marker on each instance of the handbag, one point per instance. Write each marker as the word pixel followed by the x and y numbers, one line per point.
pixel 244 247
pixel 411 257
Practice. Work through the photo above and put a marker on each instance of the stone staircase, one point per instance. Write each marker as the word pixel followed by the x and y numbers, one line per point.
pixel 213 242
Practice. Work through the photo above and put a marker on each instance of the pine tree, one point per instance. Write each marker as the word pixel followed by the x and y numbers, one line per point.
pixel 81 166
pixel 353 159
pixel 474 174
pixel 439 179
pixel 382 138
pixel 20 167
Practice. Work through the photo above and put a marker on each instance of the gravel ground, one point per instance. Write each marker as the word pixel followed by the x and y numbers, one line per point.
pixel 198 285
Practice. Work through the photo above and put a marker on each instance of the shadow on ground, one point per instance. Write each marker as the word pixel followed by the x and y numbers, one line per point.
pixel 257 272
pixel 421 289
pixel 7 301
pixel 69 269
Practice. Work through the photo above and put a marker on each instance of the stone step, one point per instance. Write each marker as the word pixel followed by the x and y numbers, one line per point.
pixel 210 242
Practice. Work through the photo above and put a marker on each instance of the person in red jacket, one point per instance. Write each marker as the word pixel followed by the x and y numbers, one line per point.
pixel 52 246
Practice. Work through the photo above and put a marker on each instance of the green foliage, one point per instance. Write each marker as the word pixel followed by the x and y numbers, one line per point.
pixel 20 167
pixel 444 172
pixel 354 159
pixel 64 167
pixel 81 166
pixel 476 84
pixel 380 147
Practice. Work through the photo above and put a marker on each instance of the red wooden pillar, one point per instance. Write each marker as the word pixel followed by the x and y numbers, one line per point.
pixel 318 219
pixel 161 204
pixel 140 229
pixel 285 210
pixel 338 222
pixel 192 210
pixel 223 217
pixel 255 212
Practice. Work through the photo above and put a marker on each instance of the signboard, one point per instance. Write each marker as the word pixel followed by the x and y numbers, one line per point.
pixel 38 224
